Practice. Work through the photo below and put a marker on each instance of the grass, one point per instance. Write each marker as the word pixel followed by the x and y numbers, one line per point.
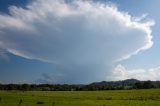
pixel 81 98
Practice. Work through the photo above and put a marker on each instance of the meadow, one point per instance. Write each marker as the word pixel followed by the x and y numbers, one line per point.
pixel 150 97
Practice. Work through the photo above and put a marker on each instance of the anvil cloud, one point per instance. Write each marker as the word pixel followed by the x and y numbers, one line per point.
pixel 81 38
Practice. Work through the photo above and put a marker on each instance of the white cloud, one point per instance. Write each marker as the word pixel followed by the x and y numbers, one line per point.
pixel 121 73
pixel 75 36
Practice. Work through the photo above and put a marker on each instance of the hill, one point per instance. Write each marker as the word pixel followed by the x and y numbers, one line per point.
pixel 103 85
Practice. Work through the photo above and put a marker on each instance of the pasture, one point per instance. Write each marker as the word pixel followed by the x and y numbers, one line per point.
pixel 149 97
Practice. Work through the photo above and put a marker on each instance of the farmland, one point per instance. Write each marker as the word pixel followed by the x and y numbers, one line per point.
pixel 150 97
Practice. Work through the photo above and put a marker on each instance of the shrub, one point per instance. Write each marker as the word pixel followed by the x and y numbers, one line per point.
pixel 40 102
pixel 109 98
pixel 53 103
pixel 20 102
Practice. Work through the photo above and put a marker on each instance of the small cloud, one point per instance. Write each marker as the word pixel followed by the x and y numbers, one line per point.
pixel 121 73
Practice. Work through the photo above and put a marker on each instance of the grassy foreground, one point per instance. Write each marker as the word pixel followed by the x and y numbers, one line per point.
pixel 81 98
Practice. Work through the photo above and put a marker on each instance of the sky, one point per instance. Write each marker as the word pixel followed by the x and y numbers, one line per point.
pixel 79 41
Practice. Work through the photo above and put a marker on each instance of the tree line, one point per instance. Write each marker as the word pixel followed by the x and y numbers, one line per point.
pixel 104 85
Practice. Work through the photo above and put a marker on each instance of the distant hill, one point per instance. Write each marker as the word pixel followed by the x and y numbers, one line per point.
pixel 103 85
pixel 118 83
pixel 115 84
pixel 131 80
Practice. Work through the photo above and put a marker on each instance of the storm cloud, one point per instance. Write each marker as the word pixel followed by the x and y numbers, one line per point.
pixel 81 39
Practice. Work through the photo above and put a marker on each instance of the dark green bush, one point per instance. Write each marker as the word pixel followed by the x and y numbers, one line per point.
pixel 40 102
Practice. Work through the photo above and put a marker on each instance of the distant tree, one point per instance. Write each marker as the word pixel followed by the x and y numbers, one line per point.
pixel 138 85
pixel 11 87
pixel 25 87
pixel 104 85
pixel 148 84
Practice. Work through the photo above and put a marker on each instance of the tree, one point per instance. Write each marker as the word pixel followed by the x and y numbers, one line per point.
pixel 147 84
pixel 138 85
pixel 25 87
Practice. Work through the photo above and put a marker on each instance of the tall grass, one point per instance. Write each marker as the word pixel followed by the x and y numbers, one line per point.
pixel 81 98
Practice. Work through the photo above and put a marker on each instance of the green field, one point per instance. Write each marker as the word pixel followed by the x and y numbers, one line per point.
pixel 81 98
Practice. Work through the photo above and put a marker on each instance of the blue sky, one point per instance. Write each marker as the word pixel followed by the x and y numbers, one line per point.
pixel 148 58
pixel 78 42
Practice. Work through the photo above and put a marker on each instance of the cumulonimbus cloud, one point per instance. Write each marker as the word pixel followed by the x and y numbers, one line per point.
pixel 81 38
